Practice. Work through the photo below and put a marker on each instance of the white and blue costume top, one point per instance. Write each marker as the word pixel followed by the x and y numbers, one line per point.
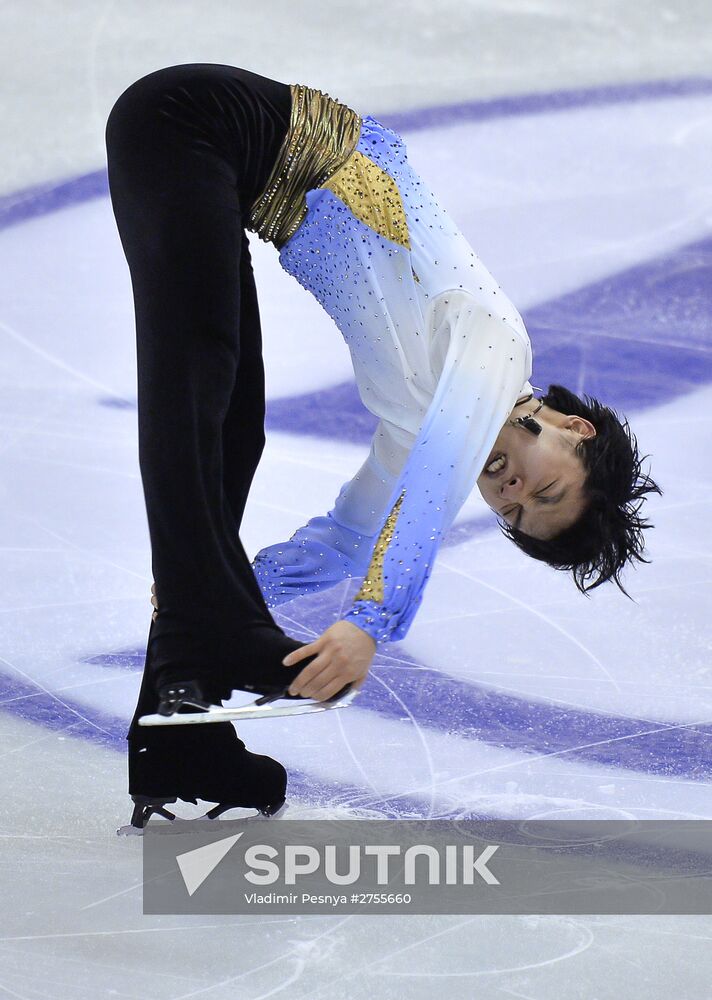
pixel 441 357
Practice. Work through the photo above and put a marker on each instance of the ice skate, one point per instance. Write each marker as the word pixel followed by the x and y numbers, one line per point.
pixel 211 765
pixel 177 698
pixel 186 695
pixel 145 807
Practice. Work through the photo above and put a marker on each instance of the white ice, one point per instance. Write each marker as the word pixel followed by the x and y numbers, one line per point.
pixel 551 202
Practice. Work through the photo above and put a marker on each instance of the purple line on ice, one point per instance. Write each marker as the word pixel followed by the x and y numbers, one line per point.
pixel 471 711
pixel 66 716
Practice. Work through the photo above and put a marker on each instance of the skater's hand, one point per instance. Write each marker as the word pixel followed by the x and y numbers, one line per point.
pixel 154 602
pixel 344 656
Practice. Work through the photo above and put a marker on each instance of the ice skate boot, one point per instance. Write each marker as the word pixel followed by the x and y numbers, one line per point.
pixel 211 764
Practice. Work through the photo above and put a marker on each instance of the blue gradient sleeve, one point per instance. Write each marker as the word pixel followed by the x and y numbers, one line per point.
pixel 332 547
pixel 319 555
pixel 486 364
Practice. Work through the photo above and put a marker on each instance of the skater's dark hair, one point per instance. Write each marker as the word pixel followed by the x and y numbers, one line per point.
pixel 609 531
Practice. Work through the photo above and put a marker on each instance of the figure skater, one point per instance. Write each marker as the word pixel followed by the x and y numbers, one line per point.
pixel 197 154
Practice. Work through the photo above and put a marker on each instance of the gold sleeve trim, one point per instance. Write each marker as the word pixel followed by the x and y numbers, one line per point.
pixel 321 136
pixel 372 196
pixel 372 586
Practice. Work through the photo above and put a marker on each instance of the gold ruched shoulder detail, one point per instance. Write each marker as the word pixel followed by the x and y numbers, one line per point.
pixel 372 196
pixel 322 134
pixel 372 586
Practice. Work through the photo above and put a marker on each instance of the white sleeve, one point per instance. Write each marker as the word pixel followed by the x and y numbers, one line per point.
pixel 487 363
pixel 362 502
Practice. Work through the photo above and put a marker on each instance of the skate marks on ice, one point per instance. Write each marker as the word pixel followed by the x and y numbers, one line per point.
pixel 477 712
pixel 613 266
pixel 520 730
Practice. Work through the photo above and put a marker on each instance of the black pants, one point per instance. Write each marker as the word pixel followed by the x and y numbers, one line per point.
pixel 189 147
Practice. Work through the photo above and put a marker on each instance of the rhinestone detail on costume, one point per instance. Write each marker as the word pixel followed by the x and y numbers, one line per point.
pixel 322 134
pixel 372 196
pixel 372 586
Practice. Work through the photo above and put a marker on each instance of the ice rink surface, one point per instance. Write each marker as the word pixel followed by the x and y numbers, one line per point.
pixel 572 144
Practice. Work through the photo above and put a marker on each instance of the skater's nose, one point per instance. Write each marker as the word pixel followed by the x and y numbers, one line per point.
pixel 511 488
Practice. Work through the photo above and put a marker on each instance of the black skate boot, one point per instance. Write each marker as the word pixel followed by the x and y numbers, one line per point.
pixel 208 763
pixel 251 662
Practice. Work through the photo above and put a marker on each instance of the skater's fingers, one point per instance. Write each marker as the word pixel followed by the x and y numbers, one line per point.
pixel 311 678
pixel 328 690
pixel 302 653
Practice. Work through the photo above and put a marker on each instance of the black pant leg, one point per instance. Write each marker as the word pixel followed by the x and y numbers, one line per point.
pixel 241 451
pixel 180 221
pixel 188 147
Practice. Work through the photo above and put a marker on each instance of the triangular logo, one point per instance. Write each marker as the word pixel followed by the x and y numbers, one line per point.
pixel 195 866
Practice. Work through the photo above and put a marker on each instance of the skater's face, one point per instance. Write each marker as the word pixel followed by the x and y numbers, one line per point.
pixel 539 488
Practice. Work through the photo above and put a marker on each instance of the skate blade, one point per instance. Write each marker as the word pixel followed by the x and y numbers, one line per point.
pixel 253 711
pixel 134 831
pixel 257 817
pixel 129 831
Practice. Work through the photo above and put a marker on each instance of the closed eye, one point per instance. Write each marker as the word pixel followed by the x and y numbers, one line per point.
pixel 539 496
